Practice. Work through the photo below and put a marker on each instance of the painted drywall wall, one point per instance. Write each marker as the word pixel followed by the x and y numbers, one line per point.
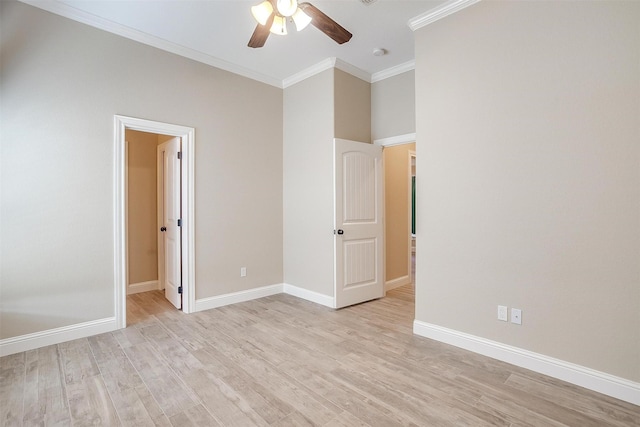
pixel 332 104
pixel 308 183
pixel 352 107
pixel 396 212
pixel 142 241
pixel 529 196
pixel 61 84
pixel 393 109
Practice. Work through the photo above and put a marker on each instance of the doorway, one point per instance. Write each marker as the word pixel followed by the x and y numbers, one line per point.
pixel 153 206
pixel 399 168
pixel 187 202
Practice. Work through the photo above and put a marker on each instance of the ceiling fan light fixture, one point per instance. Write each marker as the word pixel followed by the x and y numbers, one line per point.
pixel 277 12
pixel 287 7
pixel 262 12
pixel 301 19
pixel 279 25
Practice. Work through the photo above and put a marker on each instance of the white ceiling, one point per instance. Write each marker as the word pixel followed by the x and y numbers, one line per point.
pixel 217 31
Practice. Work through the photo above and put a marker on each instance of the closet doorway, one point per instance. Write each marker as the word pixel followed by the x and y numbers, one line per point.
pixel 186 202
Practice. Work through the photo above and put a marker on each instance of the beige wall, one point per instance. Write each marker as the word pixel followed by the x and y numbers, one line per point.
pixel 352 107
pixel 308 183
pixel 332 104
pixel 142 216
pixel 61 84
pixel 396 210
pixel 393 109
pixel 528 119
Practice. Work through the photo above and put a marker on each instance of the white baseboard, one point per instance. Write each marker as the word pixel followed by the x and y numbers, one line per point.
pixel 397 282
pixel 601 382
pixel 135 288
pixel 264 291
pixel 56 336
pixel 236 297
pixel 309 295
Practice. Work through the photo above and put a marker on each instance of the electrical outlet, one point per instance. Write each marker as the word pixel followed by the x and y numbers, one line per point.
pixel 243 271
pixel 502 313
pixel 516 316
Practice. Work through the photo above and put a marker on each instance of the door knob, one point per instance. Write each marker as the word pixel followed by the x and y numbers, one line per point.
pixel 340 231
pixel 163 228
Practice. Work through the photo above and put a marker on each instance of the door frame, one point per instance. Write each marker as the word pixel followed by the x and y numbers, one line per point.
pixel 412 156
pixel 121 124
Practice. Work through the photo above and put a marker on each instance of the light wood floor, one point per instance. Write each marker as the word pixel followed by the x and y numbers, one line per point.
pixel 282 361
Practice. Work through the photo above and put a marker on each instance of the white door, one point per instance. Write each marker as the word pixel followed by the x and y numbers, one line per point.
pixel 358 200
pixel 171 274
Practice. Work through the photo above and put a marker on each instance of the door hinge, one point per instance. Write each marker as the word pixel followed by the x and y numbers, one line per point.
pixel 179 289
pixel 179 155
pixel 180 223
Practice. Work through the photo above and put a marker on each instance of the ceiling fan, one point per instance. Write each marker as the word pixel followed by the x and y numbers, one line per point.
pixel 272 17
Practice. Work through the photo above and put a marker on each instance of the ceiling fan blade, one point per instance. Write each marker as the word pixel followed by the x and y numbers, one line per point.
pixel 261 33
pixel 326 24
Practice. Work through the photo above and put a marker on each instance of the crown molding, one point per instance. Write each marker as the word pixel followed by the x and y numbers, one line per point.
pixel 323 66
pixel 353 70
pixel 439 12
pixel 309 72
pixel 393 71
pixel 67 11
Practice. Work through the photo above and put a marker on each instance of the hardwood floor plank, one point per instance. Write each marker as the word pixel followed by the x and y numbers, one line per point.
pixel 12 388
pixel 259 395
pixel 222 402
pixel 348 399
pixel 515 413
pixel 129 337
pixel 194 417
pixel 169 392
pixel 345 419
pixel 45 397
pixel 131 398
pixel 294 419
pixel 386 394
pixel 283 386
pixel 134 406
pixel 259 398
pixel 170 349
pixel 170 395
pixel 550 410
pixel 90 403
pixel 78 361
